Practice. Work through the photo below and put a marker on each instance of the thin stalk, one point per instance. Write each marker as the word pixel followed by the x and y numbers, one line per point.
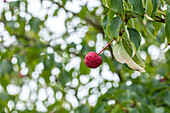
pixel 106 46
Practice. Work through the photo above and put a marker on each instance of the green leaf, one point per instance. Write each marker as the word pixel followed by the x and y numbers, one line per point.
pixel 35 24
pixel 157 26
pixel 100 107
pixel 105 2
pixel 161 35
pixel 137 6
pixel 139 25
pixel 159 110
pixel 133 110
pixel 167 25
pixel 128 45
pixel 143 108
pixel 84 69
pixel 114 27
pixel 4 81
pixel 122 56
pixel 150 30
pixel 5 67
pixel 149 7
pixel 155 4
pixel 138 59
pixel 64 2
pixel 56 12
pixel 46 75
pixel 135 37
pixel 117 109
pixel 83 109
pixel 167 2
pixel 104 23
pixel 117 6
pixel 111 14
pixel 64 77
pixel 167 98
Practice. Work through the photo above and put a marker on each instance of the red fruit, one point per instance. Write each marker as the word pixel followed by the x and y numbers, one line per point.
pixel 21 75
pixel 92 60
pixel 4 0
pixel 162 80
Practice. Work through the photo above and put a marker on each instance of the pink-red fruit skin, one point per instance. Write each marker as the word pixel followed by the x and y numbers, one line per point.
pixel 162 80
pixel 92 60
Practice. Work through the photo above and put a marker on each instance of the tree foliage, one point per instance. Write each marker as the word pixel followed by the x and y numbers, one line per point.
pixel 42 70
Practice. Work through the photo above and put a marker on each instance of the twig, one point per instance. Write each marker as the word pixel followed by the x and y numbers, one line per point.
pixel 106 46
pixel 161 19
pixel 3 21
pixel 124 109
pixel 99 27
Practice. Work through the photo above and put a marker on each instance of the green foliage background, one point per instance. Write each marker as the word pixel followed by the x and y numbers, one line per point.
pixel 144 86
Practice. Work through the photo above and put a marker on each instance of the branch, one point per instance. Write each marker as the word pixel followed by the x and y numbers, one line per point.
pixel 161 19
pixel 124 109
pixel 18 36
pixel 3 21
pixel 96 25
pixel 100 28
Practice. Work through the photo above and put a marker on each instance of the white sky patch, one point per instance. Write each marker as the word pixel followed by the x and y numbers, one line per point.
pixel 57 24
pixel 50 91
pixel 33 85
pixel 41 81
pixel 50 50
pixel 135 74
pixel 74 63
pixel 99 42
pixel 143 55
pixel 35 75
pixel 103 90
pixel 73 6
pixel 108 84
pixel 1 88
pixel 111 102
pixel 94 73
pixel 10 105
pixel 108 75
pixel 20 105
pixel 24 95
pixel 59 95
pixel 92 100
pixel 24 71
pixel 51 100
pixel 13 89
pixel 66 105
pixel 115 84
pixel 42 95
pixel 33 96
pixel 14 60
pixel 74 82
pixel 72 99
pixel 84 79
pixel 93 83
pixel 34 7
pixel 128 83
pixel 55 71
pixel 40 106
pixel 154 52
pixel 82 92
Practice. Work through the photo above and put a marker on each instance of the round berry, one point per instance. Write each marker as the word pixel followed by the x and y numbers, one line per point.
pixel 92 60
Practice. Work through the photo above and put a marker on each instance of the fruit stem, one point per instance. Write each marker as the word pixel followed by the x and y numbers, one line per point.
pixel 106 46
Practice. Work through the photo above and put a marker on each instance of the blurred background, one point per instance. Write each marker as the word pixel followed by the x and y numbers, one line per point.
pixel 42 48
